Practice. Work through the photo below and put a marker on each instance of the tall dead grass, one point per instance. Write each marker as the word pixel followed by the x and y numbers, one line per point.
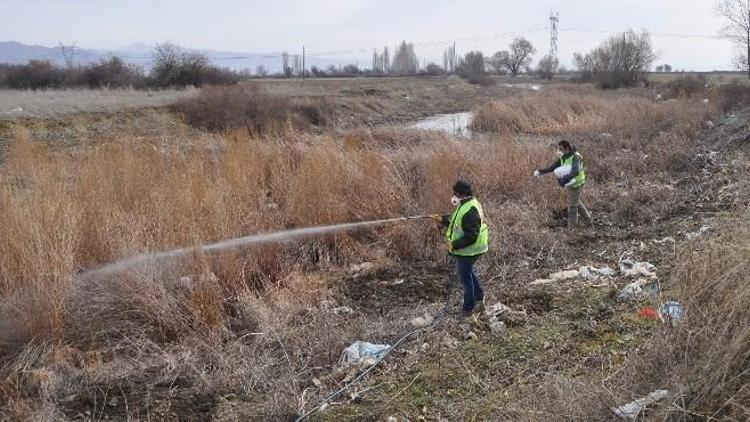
pixel 562 112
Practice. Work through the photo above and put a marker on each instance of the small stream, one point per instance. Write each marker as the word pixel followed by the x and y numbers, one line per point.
pixel 459 123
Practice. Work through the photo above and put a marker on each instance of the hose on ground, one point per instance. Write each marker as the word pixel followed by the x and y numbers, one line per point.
pixel 439 319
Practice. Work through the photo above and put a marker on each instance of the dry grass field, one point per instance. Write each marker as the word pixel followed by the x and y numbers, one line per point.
pixel 256 333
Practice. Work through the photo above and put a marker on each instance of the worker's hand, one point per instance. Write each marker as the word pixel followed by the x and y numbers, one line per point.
pixel 437 217
pixel 536 173
pixel 450 246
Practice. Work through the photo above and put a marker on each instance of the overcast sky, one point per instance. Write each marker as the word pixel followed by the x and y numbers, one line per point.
pixel 256 26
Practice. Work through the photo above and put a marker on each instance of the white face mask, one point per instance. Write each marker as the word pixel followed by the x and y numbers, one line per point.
pixel 455 201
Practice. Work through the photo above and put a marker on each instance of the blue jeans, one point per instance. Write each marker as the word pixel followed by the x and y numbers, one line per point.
pixel 473 292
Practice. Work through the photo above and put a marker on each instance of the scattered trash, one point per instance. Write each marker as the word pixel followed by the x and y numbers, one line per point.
pixel 638 289
pixel 496 311
pixel 499 316
pixel 605 135
pixel 710 124
pixel 343 310
pixel 671 312
pixel 586 272
pixel 634 408
pixel 668 239
pixel 420 322
pixel 698 233
pixel 648 312
pixel 630 268
pixel 497 326
pixel 362 351
pixel 705 101
pixel 361 267
pixel 658 97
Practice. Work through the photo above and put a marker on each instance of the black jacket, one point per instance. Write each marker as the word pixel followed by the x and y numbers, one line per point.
pixel 575 168
pixel 470 224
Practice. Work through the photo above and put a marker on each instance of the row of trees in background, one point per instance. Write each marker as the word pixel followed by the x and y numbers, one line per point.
pixel 172 66
pixel 622 60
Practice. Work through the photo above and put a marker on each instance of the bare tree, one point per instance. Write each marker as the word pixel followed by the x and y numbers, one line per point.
pixel 166 61
pixel 516 59
pixel 547 67
pixel 737 28
pixel 261 70
pixel 622 60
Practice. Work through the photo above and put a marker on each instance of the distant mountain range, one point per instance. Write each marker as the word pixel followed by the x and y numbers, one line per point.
pixel 140 54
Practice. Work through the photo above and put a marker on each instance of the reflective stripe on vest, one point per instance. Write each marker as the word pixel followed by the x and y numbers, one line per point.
pixel 581 176
pixel 455 230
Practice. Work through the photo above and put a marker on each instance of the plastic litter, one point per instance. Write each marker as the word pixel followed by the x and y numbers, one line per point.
pixel 638 289
pixel 671 312
pixel 362 351
pixel 497 326
pixel 586 272
pixel 698 233
pixel 648 312
pixel 499 316
pixel 424 321
pixel 589 272
pixel 631 268
pixel 634 408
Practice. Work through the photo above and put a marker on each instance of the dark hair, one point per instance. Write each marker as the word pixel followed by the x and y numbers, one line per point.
pixel 565 144
pixel 462 188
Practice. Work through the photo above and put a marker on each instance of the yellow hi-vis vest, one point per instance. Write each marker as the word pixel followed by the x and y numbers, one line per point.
pixel 455 231
pixel 580 178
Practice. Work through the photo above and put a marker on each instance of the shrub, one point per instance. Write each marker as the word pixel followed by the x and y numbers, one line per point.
pixel 226 108
pixel 35 74
pixel 174 67
pixel 249 107
pixel 686 86
pixel 113 73
pixel 734 95
pixel 472 69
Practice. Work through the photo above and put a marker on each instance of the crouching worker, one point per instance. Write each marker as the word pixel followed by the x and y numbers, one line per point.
pixel 467 238
pixel 571 174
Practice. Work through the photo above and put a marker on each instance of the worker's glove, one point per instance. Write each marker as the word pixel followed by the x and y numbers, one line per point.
pixel 536 173
pixel 450 246
pixel 437 217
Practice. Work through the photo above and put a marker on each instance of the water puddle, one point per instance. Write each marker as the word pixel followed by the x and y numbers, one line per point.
pixel 452 124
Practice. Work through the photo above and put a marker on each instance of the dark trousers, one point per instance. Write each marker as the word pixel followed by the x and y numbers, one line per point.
pixel 473 292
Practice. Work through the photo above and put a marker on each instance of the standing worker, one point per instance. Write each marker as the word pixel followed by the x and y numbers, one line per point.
pixel 571 174
pixel 467 238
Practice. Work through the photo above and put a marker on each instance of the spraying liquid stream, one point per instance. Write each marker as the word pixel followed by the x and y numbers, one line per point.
pixel 126 264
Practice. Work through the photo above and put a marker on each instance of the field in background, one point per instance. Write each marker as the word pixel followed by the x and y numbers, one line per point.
pixel 53 103
pixel 257 333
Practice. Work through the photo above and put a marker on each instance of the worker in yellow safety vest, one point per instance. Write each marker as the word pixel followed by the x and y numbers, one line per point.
pixel 571 174
pixel 467 238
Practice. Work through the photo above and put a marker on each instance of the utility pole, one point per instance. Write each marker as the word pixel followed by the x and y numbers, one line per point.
pixel 304 69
